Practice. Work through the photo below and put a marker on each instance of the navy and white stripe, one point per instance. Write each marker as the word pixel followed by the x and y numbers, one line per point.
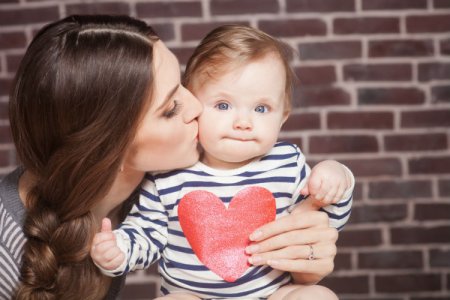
pixel 152 231
pixel 12 238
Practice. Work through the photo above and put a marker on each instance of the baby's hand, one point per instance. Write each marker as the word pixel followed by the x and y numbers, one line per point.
pixel 104 251
pixel 327 183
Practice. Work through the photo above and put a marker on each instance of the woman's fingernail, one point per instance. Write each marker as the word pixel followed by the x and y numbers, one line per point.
pixel 255 235
pixel 252 249
pixel 273 263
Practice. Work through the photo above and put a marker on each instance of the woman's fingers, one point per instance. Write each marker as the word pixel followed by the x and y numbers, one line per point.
pixel 294 237
pixel 319 251
pixel 294 221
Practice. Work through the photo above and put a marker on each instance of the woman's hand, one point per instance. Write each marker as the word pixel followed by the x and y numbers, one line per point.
pixel 284 244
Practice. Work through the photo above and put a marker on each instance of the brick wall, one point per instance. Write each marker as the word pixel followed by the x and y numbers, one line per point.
pixel 375 94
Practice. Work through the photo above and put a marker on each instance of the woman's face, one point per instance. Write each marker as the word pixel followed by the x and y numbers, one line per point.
pixel 167 136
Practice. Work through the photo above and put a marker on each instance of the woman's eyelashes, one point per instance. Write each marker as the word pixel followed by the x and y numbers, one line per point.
pixel 172 111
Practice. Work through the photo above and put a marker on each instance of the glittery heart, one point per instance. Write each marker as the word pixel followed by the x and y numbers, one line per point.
pixel 219 235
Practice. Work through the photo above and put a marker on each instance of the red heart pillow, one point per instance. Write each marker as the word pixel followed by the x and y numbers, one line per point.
pixel 219 235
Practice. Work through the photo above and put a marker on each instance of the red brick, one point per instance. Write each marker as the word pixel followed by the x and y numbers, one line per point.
pixel 295 140
pixel 416 142
pixel 3 110
pixel 5 86
pixel 439 258
pixel 320 96
pixel 302 121
pixel 393 4
pixel 428 23
pixel 400 48
pixel 360 120
pixel 374 167
pixel 12 62
pixel 390 96
pixel 197 31
pixel 359 238
pixel 444 187
pixel 22 16
pixel 183 53
pixel 239 7
pixel 420 235
pixel 425 118
pixel 11 40
pixel 330 50
pixel 433 71
pixel 165 31
pixel 400 189
pixel 390 260
pixel 440 93
pixel 4 158
pixel 349 284
pixel 139 290
pixel 378 72
pixel 342 144
pixel 5 135
pixel 294 28
pixel 407 283
pixel 304 6
pixel 111 8
pixel 315 75
pixel 168 9
pixel 343 261
pixel 378 213
pixel 358 192
pixel 366 25
pixel 441 3
pixel 432 211
pixel 445 297
pixel 445 47
pixel 430 165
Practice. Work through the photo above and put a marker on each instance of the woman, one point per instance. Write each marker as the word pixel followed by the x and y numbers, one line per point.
pixel 96 103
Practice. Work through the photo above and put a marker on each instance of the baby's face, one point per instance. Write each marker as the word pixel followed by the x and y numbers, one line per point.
pixel 243 110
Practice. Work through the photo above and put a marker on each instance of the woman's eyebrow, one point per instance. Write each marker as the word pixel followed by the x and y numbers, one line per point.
pixel 168 97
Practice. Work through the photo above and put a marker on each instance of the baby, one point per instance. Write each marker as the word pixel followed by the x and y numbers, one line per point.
pixel 243 79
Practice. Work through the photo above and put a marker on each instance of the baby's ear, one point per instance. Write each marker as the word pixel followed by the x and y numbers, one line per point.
pixel 285 117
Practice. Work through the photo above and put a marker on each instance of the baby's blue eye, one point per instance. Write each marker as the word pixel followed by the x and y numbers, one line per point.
pixel 223 106
pixel 261 109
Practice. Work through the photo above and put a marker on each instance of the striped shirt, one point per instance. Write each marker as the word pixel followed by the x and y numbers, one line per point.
pixel 152 230
pixel 12 238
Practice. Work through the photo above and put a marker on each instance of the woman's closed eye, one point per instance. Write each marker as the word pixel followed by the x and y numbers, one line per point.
pixel 172 111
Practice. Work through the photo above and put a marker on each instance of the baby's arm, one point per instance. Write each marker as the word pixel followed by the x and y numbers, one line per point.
pixel 140 238
pixel 104 251
pixel 329 187
pixel 330 182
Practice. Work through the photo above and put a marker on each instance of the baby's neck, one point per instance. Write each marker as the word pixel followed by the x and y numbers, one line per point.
pixel 221 164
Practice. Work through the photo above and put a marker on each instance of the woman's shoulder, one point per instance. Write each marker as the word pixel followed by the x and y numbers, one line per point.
pixel 9 196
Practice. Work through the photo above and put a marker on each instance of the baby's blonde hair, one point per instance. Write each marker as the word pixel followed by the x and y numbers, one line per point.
pixel 230 46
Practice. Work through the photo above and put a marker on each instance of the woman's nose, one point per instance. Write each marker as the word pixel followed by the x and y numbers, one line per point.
pixel 194 107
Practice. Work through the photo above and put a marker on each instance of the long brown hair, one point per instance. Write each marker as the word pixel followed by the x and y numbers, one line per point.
pixel 231 46
pixel 75 106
